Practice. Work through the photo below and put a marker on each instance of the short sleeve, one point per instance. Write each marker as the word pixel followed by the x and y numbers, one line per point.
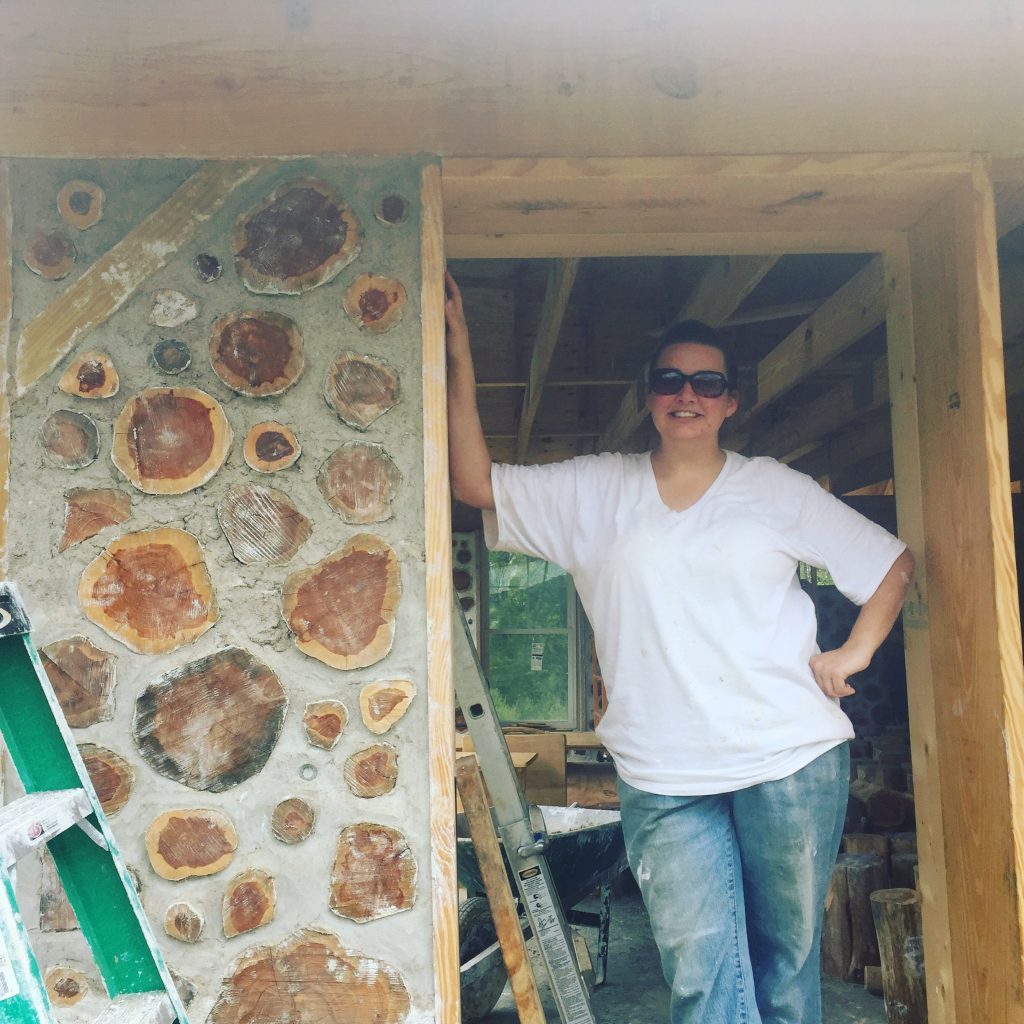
pixel 534 511
pixel 830 535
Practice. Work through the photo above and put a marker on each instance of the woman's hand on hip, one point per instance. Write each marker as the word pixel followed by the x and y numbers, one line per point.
pixel 832 669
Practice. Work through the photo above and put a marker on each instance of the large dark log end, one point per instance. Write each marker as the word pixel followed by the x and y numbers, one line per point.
pixel 342 610
pixel 374 873
pixel 360 389
pixel 150 590
pixel 212 723
pixel 310 978
pixel 301 237
pixel 257 353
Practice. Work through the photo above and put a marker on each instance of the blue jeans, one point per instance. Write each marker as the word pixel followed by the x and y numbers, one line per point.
pixel 735 888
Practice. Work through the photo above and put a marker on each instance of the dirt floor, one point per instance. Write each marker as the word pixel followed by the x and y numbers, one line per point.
pixel 635 992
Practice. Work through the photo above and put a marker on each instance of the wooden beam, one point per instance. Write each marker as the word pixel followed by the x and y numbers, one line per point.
pixel 841 320
pixel 967 698
pixel 556 301
pixel 863 392
pixel 438 538
pixel 112 280
pixel 767 314
pixel 6 311
pixel 718 294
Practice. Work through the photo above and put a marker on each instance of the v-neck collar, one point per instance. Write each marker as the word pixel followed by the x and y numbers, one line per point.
pixel 725 470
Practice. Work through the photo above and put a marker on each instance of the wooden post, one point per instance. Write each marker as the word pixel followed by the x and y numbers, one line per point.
pixel 437 523
pixel 964 666
pixel 499 894
pixel 897 915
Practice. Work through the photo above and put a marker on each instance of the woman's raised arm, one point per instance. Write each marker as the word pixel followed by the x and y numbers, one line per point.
pixel 469 459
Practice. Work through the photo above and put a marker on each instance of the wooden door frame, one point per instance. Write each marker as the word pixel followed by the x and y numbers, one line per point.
pixel 952 470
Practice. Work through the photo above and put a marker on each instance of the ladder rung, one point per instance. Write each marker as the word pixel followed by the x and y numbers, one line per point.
pixel 138 1008
pixel 37 818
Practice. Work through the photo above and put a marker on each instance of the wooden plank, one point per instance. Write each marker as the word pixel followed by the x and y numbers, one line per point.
pixel 841 320
pixel 556 301
pixel 975 643
pixel 718 294
pixel 499 894
pixel 922 696
pixel 481 245
pixel 440 680
pixel 112 280
pixel 259 78
pixel 831 410
pixel 6 310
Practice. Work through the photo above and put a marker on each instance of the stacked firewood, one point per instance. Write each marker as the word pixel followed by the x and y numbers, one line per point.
pixel 872 926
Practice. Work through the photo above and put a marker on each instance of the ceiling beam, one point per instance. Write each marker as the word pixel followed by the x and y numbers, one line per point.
pixel 718 295
pixel 556 300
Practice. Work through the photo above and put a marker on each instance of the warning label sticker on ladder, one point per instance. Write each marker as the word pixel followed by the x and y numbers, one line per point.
pixel 8 982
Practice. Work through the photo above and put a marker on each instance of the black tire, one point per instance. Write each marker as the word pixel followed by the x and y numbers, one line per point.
pixel 476 933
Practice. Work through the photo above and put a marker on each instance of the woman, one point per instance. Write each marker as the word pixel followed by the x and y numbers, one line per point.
pixel 723 718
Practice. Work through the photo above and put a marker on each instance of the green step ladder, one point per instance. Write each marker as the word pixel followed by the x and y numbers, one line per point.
pixel 61 809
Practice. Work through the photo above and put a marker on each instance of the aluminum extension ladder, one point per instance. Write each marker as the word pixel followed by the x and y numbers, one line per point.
pixel 524 839
pixel 61 809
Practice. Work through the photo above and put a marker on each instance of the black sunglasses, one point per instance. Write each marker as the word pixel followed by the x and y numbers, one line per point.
pixel 705 383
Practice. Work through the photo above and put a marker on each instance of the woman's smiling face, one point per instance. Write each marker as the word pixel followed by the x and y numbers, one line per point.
pixel 686 415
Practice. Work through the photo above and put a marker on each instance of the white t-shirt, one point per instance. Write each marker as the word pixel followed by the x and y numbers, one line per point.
pixel 702 630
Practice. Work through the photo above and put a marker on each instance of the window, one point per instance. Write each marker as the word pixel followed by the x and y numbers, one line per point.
pixel 531 640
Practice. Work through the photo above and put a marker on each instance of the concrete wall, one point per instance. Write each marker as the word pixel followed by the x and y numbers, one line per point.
pixel 249 597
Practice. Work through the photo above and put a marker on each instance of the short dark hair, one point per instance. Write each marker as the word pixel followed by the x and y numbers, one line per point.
pixel 697 333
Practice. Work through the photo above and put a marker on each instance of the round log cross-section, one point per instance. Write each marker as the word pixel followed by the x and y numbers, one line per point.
pixel 375 302
pixel 90 376
pixel 292 820
pixel 212 723
pixel 150 590
pixel 383 703
pixel 391 209
pixel 372 772
pixel 342 610
pixel 301 237
pixel 359 481
pixel 374 873
pixel 324 722
pixel 271 446
pixel 183 922
pixel 170 440
pixel 111 775
pixel 88 511
pixel 256 353
pixel 50 254
pixel 70 439
pixel 360 389
pixel 310 978
pixel 65 985
pixel 171 356
pixel 82 677
pixel 208 267
pixel 249 902
pixel 190 843
pixel 172 308
pixel 262 524
pixel 80 203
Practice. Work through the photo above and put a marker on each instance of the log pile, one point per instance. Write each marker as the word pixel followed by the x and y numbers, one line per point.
pixel 879 850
